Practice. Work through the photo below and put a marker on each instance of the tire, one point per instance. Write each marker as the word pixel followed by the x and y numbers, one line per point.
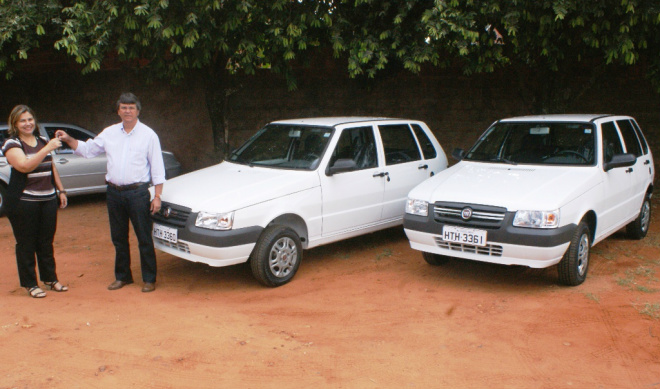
pixel 574 266
pixel 434 259
pixel 3 197
pixel 638 228
pixel 276 256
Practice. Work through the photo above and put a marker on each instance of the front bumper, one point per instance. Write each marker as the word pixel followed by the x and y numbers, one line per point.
pixel 215 248
pixel 507 245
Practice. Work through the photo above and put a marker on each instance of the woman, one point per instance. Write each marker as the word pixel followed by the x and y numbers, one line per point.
pixel 32 200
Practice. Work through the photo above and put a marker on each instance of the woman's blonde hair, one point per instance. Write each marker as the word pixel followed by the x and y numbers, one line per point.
pixel 15 115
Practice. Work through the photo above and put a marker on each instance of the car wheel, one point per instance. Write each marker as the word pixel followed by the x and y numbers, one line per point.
pixel 638 228
pixel 434 259
pixel 574 265
pixel 3 197
pixel 277 256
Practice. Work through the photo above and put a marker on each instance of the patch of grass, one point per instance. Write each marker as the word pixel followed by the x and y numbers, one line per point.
pixel 651 309
pixel 592 296
pixel 385 253
pixel 639 278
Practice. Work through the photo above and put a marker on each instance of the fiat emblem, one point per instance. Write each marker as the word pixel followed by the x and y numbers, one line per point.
pixel 466 213
pixel 167 211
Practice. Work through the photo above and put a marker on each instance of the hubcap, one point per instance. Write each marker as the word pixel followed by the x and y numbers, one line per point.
pixel 646 215
pixel 283 257
pixel 583 255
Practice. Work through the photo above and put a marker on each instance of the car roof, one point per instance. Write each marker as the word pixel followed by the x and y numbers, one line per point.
pixel 331 121
pixel 573 117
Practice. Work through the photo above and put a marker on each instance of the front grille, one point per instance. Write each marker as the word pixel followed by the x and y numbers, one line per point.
pixel 178 215
pixel 179 246
pixel 482 216
pixel 489 249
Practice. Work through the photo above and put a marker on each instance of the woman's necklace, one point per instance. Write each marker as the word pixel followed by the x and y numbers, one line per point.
pixel 30 141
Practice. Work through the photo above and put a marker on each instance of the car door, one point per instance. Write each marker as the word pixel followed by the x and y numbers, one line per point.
pixel 404 166
pixel 616 201
pixel 353 199
pixel 78 174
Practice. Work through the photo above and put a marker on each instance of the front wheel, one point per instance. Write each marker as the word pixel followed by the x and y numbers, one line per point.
pixel 638 228
pixel 434 259
pixel 574 265
pixel 276 256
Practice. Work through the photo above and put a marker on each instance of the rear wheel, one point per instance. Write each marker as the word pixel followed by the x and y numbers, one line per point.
pixel 277 256
pixel 434 259
pixel 574 265
pixel 638 228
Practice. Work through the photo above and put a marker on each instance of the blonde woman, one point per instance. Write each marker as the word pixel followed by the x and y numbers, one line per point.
pixel 32 200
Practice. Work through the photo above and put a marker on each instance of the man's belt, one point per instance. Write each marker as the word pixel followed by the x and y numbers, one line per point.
pixel 122 188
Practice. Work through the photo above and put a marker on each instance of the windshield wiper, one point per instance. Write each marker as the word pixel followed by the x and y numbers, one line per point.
pixel 500 159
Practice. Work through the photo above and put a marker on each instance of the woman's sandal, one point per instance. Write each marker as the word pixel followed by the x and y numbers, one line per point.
pixel 56 286
pixel 36 292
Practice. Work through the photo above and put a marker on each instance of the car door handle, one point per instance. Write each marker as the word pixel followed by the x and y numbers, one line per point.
pixel 382 174
pixel 629 170
pixel 647 162
pixel 424 166
pixel 62 161
pixel 3 163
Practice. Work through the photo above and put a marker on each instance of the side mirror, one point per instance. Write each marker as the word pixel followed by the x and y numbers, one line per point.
pixel 620 160
pixel 458 154
pixel 340 166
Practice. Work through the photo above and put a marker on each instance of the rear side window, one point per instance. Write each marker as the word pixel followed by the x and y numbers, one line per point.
pixel 630 137
pixel 399 144
pixel 645 146
pixel 427 147
pixel 611 141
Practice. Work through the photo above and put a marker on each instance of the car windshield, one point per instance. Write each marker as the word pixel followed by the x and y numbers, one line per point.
pixel 285 146
pixel 540 143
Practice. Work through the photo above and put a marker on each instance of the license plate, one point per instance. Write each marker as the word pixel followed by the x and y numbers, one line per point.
pixel 165 233
pixel 464 235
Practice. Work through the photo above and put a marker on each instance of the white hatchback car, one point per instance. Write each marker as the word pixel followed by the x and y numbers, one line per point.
pixel 537 191
pixel 296 184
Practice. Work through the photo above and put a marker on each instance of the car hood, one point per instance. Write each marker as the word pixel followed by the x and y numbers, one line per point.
pixel 228 187
pixel 514 187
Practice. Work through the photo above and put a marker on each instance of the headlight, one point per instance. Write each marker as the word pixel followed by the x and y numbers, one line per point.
pixel 417 207
pixel 536 219
pixel 215 221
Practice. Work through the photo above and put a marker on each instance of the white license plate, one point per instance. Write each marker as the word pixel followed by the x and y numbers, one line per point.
pixel 464 235
pixel 165 233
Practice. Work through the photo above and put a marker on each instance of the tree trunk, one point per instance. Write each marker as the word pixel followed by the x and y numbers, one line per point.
pixel 219 89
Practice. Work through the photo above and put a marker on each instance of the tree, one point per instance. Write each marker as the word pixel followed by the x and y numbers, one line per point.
pixel 171 38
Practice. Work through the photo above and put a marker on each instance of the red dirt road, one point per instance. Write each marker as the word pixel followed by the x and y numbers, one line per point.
pixel 365 313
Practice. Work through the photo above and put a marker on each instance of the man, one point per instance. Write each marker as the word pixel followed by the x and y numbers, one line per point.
pixel 134 160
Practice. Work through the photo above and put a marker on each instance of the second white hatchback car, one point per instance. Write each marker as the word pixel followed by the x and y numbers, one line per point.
pixel 537 191
pixel 296 184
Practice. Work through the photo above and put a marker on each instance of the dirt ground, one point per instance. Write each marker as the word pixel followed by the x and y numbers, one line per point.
pixel 365 313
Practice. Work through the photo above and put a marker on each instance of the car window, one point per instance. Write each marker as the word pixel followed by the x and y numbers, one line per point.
pixel 640 136
pixel 538 143
pixel 399 144
pixel 284 146
pixel 74 133
pixel 357 144
pixel 611 141
pixel 629 137
pixel 3 137
pixel 427 146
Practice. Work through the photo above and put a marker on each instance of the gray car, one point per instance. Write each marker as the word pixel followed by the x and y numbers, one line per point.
pixel 79 175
